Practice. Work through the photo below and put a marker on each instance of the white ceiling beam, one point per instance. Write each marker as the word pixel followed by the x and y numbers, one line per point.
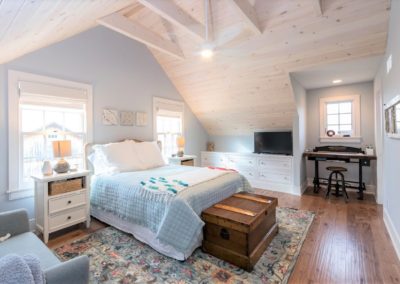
pixel 172 13
pixel 123 25
pixel 249 14
pixel 317 4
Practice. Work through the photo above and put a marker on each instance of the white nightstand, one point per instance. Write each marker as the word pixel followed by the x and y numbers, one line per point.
pixel 61 200
pixel 186 160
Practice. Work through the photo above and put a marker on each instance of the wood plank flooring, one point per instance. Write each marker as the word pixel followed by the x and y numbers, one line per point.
pixel 347 243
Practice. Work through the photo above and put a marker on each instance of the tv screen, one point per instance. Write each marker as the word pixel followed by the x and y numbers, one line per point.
pixel 273 143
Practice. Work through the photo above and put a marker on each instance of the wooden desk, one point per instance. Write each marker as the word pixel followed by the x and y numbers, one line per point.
pixel 361 159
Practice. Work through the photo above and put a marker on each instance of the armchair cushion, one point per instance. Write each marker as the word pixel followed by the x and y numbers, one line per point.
pixel 29 243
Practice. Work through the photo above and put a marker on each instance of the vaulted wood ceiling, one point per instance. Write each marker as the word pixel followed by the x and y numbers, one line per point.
pixel 245 86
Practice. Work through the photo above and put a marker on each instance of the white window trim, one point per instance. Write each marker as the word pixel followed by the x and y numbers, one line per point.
pixel 175 106
pixel 356 119
pixel 14 79
pixel 168 105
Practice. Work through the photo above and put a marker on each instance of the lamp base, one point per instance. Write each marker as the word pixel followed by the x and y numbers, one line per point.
pixel 61 167
pixel 180 154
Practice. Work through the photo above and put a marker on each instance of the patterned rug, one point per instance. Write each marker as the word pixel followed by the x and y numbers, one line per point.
pixel 117 257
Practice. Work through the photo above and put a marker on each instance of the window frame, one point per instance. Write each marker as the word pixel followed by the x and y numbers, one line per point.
pixel 15 78
pixel 355 118
pixel 167 105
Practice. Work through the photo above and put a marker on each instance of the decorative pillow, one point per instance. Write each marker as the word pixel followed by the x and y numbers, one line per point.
pixel 120 157
pixel 149 154
pixel 99 162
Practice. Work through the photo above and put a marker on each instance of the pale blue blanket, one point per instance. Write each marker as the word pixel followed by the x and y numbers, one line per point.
pixel 174 219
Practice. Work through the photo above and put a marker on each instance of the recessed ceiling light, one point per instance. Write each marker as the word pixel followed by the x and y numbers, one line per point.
pixel 207 53
pixel 337 81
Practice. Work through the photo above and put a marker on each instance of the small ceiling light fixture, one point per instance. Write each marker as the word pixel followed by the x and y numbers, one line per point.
pixel 337 81
pixel 207 48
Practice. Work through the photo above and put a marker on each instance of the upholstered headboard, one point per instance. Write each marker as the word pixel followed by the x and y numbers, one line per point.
pixel 89 149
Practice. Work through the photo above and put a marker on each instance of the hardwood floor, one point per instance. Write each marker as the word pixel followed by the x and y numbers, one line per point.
pixel 347 243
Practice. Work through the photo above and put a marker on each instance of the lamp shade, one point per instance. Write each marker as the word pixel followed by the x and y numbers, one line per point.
pixel 61 148
pixel 180 141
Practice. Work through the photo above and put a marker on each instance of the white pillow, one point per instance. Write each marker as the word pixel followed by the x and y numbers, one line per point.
pixel 121 156
pixel 99 163
pixel 149 154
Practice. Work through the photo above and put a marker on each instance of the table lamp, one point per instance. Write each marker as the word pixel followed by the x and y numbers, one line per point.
pixel 61 149
pixel 180 142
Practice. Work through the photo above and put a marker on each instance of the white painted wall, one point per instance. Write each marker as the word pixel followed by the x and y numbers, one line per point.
pixel 366 92
pixel 124 76
pixel 299 137
pixel 390 87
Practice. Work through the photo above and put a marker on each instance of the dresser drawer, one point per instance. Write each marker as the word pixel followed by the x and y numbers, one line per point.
pixel 59 221
pixel 275 163
pixel 275 177
pixel 67 202
pixel 238 161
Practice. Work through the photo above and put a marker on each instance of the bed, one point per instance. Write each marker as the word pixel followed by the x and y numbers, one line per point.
pixel 170 224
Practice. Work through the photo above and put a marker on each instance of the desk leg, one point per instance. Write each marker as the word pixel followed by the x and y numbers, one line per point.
pixel 316 177
pixel 360 180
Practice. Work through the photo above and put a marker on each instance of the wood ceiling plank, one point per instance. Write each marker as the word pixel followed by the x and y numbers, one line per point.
pixel 171 12
pixel 9 10
pixel 123 25
pixel 248 12
pixel 317 5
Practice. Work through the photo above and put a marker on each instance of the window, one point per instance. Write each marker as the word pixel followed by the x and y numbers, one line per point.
pixel 168 119
pixel 42 110
pixel 339 117
pixel 42 124
pixel 342 115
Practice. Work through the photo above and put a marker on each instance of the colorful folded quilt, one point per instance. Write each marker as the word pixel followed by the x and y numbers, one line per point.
pixel 164 185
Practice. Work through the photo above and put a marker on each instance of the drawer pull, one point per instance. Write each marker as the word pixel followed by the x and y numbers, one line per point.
pixel 69 202
pixel 224 234
pixel 69 218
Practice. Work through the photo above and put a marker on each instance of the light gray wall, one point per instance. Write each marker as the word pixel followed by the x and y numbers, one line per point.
pixel 124 76
pixel 365 90
pixel 391 147
pixel 231 143
pixel 299 135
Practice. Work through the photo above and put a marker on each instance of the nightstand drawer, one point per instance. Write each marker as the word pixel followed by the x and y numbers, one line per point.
pixel 66 202
pixel 63 220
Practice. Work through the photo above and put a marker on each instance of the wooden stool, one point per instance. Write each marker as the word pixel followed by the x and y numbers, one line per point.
pixel 337 171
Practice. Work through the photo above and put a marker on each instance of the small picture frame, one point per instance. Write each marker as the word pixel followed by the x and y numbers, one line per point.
pixel 141 119
pixel 110 117
pixel 127 118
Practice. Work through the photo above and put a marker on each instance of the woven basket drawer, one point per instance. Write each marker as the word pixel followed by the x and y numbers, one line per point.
pixel 64 186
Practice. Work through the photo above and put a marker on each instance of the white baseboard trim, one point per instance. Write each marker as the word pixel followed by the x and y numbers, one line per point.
pixel 394 235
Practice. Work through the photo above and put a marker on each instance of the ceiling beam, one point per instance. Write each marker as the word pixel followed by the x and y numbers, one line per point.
pixel 249 13
pixel 172 13
pixel 317 5
pixel 123 25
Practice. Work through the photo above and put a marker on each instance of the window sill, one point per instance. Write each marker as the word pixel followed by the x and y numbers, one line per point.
pixel 340 139
pixel 21 193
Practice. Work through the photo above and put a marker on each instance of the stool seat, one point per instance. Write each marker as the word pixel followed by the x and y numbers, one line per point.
pixel 336 169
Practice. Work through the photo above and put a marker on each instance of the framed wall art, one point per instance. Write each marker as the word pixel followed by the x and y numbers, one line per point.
pixel 392 118
pixel 127 118
pixel 110 117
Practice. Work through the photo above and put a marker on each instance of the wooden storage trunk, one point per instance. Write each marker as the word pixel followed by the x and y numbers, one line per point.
pixel 240 228
pixel 64 186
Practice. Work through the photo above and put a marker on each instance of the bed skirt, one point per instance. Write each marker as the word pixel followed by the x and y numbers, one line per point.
pixel 144 235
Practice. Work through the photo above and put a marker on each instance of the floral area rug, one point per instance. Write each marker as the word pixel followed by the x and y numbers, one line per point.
pixel 117 257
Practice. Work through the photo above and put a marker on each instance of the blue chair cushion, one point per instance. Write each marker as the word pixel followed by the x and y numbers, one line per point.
pixel 29 243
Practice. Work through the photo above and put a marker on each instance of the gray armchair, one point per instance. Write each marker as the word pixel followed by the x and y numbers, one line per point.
pixel 22 241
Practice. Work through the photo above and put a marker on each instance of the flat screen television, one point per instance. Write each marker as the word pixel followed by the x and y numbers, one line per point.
pixel 273 143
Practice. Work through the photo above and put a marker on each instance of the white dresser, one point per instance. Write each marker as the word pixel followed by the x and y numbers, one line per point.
pixel 61 200
pixel 272 172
